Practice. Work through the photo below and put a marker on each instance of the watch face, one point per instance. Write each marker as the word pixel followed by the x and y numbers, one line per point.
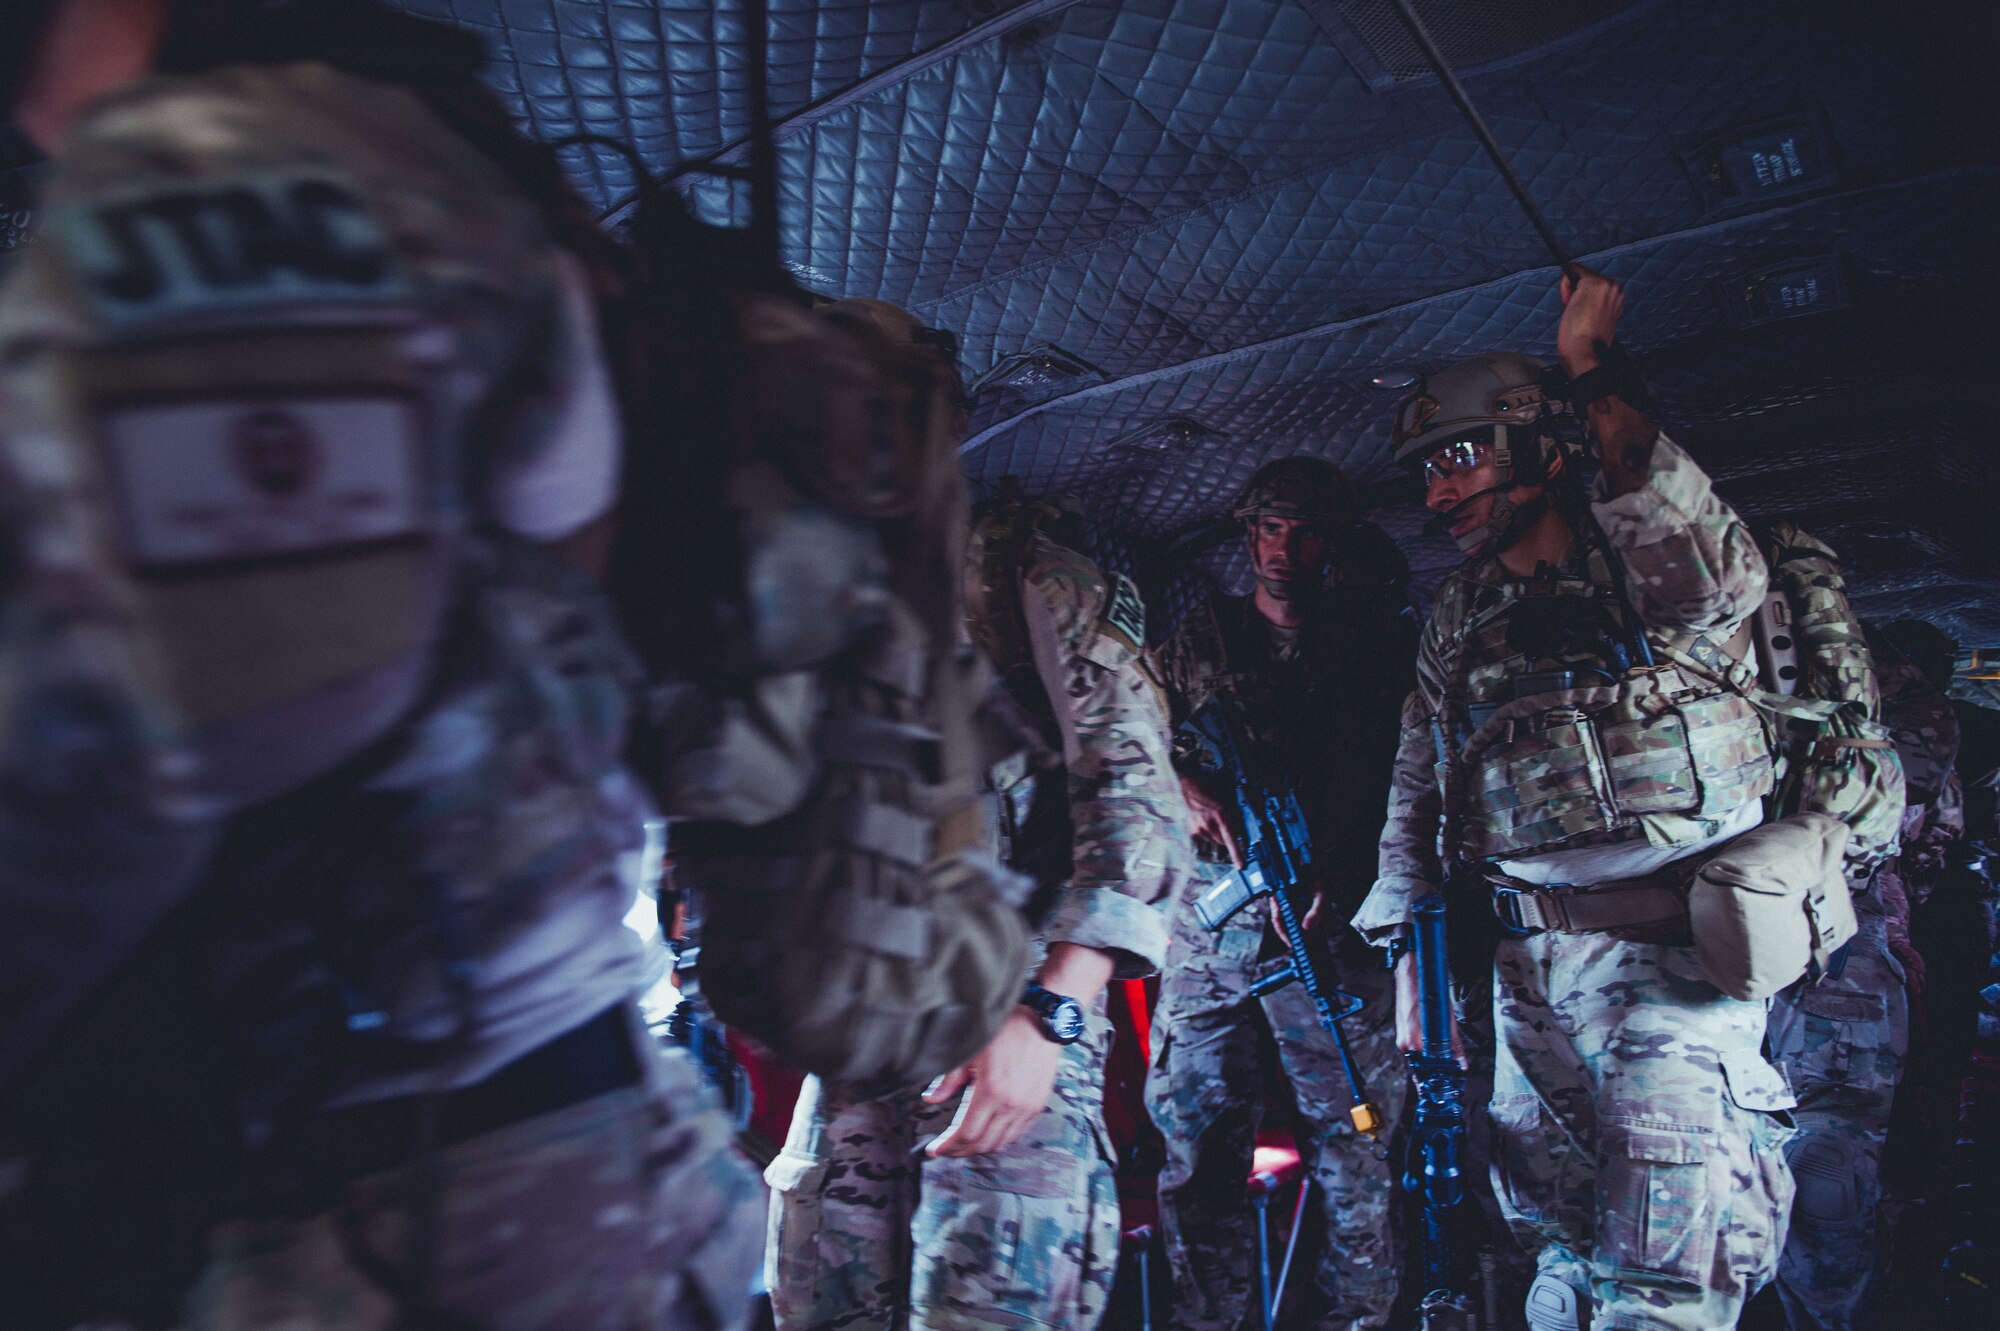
pixel 1065 1020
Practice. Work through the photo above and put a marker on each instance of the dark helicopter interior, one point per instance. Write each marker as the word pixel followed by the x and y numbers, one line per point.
pixel 1178 239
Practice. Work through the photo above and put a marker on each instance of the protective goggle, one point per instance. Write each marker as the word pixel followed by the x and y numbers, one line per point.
pixel 1457 457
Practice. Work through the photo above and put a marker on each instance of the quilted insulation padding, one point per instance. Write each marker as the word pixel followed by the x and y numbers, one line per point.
pixel 1311 391
pixel 1212 205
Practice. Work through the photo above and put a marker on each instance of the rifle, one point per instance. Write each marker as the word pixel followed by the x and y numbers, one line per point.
pixel 1433 1169
pixel 1278 856
pixel 694 1028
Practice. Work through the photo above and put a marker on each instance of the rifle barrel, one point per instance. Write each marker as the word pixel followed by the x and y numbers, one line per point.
pixel 1433 976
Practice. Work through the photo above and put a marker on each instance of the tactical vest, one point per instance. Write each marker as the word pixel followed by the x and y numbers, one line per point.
pixel 1547 742
pixel 823 747
pixel 1219 649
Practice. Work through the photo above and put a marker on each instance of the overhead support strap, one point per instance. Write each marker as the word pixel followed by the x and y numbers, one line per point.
pixel 734 155
pixel 1478 122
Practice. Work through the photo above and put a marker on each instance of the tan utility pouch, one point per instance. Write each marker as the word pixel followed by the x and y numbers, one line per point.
pixel 1770 902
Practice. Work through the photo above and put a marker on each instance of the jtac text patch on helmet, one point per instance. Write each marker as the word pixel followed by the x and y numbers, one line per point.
pixel 1498 388
pixel 1308 489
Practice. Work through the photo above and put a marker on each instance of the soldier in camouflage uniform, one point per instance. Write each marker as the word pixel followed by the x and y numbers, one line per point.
pixel 987 1201
pixel 1843 1038
pixel 1314 673
pixel 299 395
pixel 1914 663
pixel 1634 1118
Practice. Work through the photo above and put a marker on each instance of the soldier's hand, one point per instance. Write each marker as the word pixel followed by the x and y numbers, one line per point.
pixel 1317 908
pixel 1007 1085
pixel 1307 922
pixel 1409 1013
pixel 1591 307
pixel 1211 820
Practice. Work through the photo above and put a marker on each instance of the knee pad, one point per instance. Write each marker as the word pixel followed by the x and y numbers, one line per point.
pixel 1826 1167
pixel 1554 1306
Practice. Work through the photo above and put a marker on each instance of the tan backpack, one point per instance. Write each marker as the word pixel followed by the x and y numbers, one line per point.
pixel 816 736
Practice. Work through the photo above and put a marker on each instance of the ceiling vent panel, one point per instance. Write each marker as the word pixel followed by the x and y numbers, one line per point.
pixel 1750 164
pixel 1163 440
pixel 1472 34
pixel 1787 291
pixel 1033 375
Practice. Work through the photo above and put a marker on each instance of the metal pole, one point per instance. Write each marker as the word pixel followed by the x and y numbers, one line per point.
pixel 763 144
pixel 1292 1243
pixel 1263 1205
pixel 1485 135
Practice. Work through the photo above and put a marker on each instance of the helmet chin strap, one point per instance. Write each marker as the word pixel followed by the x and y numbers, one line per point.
pixel 1501 527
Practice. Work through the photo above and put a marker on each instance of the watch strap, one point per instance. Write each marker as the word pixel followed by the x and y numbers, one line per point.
pixel 1045 1005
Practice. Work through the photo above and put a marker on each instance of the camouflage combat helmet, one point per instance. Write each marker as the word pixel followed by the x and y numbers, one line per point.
pixel 1489 401
pixel 1306 488
pixel 1478 396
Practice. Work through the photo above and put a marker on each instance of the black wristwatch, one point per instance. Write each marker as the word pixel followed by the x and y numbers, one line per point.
pixel 1061 1017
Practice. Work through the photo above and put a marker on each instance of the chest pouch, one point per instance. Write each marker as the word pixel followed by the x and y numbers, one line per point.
pixel 280 502
pixel 1562 768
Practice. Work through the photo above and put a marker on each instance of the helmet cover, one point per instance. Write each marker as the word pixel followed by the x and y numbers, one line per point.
pixel 1497 388
pixel 1307 489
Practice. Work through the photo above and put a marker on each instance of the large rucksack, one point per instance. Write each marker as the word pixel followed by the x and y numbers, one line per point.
pixel 793 530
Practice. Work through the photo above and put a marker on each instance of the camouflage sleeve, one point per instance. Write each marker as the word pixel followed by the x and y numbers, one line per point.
pixel 1407 865
pixel 1690 562
pixel 1131 851
pixel 1179 679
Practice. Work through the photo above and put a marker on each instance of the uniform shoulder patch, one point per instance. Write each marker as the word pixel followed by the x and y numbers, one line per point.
pixel 201 248
pixel 1126 612
pixel 1120 632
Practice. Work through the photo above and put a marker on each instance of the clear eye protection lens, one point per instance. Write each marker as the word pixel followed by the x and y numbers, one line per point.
pixel 1455 459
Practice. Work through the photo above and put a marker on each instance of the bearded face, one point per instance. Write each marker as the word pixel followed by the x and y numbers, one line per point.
pixel 1464 486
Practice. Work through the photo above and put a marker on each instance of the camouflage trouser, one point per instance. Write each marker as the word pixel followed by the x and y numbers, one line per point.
pixel 1205 1093
pixel 1638 1145
pixel 1842 1041
pixel 627 1212
pixel 867 1234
